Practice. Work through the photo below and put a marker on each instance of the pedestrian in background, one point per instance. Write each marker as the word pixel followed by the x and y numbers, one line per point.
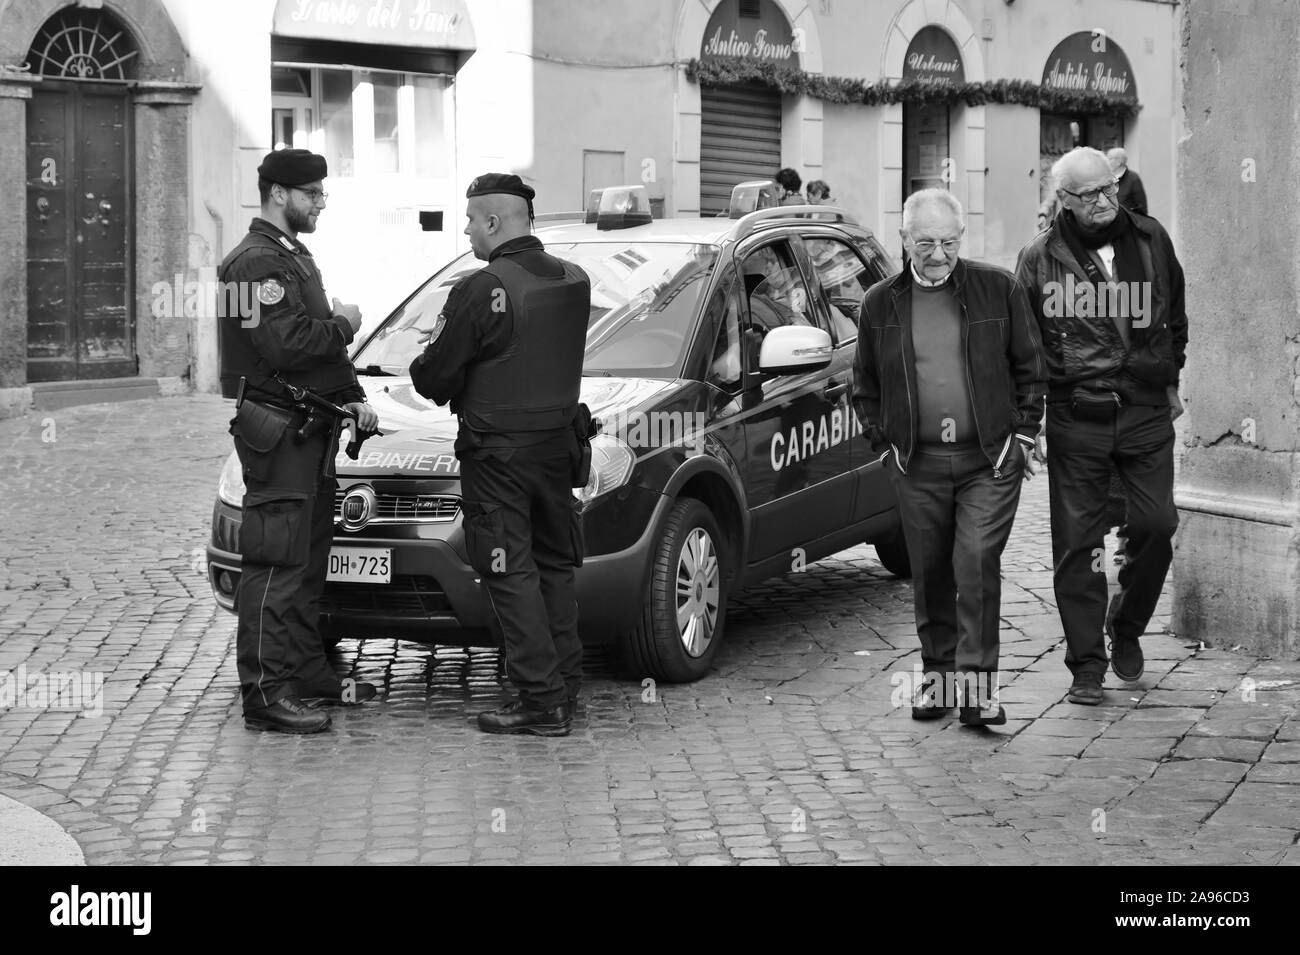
pixel 948 385
pixel 819 193
pixel 296 337
pixel 1131 194
pixel 507 354
pixel 790 184
pixel 1112 400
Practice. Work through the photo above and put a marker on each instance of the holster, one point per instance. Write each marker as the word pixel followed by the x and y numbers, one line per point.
pixel 585 427
pixel 261 426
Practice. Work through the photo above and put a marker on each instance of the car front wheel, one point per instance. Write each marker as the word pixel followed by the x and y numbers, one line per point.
pixel 893 554
pixel 686 601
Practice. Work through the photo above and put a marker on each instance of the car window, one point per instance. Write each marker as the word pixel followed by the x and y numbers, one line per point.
pixel 775 289
pixel 878 264
pixel 724 313
pixel 844 277
pixel 645 297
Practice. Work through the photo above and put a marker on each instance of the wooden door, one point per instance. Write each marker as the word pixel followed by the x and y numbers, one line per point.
pixel 79 319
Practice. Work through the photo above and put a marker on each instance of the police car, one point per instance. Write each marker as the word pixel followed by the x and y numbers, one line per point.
pixel 719 360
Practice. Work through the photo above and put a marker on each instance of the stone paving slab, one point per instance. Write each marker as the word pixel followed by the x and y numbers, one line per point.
pixel 793 751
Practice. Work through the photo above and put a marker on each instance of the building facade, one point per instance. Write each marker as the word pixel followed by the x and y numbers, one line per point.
pixel 134 129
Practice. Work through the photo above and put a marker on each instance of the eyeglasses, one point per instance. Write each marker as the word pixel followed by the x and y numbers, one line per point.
pixel 1090 196
pixel 315 195
pixel 927 246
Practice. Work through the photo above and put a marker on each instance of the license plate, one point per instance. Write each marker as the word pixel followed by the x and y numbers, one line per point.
pixel 361 565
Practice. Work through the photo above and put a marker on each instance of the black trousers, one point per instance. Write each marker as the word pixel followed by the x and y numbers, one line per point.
pixel 284 542
pixel 1139 443
pixel 956 519
pixel 523 534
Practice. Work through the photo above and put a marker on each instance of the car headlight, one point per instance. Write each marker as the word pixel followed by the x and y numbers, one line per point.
pixel 230 486
pixel 611 466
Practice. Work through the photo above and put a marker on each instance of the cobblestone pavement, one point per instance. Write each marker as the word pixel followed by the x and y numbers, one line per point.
pixel 791 752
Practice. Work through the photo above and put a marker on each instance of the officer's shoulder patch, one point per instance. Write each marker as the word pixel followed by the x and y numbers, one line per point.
pixel 270 292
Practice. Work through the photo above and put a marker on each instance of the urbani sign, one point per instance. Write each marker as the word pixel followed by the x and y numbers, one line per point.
pixel 932 57
pixel 752 31
pixel 439 24
pixel 1090 62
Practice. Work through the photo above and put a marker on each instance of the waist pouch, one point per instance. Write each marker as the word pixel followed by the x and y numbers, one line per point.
pixel 1089 404
pixel 262 427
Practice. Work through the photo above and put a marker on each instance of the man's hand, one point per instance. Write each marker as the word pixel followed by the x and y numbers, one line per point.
pixel 1030 455
pixel 367 420
pixel 349 312
pixel 1175 403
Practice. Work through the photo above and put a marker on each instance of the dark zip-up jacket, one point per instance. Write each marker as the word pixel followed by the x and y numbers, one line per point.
pixel 1089 349
pixel 1005 371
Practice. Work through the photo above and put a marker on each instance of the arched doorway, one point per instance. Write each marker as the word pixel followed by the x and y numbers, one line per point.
pixel 80 321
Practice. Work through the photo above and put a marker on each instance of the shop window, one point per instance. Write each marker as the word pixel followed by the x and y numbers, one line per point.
pixel 387 125
pixel 398 120
pixel 336 119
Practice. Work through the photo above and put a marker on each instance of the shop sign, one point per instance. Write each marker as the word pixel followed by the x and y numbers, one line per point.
pixel 1090 62
pixel 432 24
pixel 932 56
pixel 763 34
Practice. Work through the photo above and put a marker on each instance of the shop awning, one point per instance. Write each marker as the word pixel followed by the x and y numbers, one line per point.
pixel 424 24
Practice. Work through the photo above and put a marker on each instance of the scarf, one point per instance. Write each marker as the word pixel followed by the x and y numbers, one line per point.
pixel 1120 233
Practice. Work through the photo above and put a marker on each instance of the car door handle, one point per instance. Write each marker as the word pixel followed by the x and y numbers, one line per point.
pixel 835 390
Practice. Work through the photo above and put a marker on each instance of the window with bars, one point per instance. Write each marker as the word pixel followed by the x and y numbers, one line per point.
pixel 81 44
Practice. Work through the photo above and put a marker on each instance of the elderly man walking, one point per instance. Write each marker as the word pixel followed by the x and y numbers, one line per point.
pixel 948 385
pixel 1107 291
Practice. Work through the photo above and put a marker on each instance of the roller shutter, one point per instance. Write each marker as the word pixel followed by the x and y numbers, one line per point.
pixel 740 138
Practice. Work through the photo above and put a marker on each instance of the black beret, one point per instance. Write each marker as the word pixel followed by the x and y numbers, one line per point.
pixel 293 167
pixel 500 182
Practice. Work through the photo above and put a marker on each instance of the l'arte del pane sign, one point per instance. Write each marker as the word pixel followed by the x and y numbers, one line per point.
pixel 438 24
pixel 734 32
pixel 1090 63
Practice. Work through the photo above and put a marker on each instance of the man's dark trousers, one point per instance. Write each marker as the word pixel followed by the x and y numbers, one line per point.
pixel 1140 442
pixel 956 519
pixel 523 533
pixel 288 526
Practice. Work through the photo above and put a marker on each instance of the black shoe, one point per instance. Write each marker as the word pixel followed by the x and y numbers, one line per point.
pixel 349 693
pixel 981 716
pixel 926 705
pixel 288 715
pixel 516 718
pixel 1125 652
pixel 1086 689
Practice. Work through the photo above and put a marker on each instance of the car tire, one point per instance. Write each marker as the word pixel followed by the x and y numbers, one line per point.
pixel 689 574
pixel 893 555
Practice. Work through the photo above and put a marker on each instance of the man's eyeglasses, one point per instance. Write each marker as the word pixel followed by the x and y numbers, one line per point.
pixel 927 246
pixel 1090 196
pixel 315 195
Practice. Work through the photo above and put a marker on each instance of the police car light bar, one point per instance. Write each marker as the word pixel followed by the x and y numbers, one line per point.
pixel 752 195
pixel 621 207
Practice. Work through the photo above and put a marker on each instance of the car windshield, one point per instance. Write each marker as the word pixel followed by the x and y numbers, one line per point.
pixel 644 296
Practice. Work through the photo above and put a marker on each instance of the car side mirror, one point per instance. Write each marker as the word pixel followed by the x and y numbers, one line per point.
pixel 794 349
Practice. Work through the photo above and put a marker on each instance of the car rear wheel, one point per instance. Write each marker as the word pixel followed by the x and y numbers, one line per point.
pixel 893 554
pixel 686 602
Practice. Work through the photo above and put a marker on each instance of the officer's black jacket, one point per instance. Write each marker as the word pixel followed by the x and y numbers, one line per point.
pixel 293 329
pixel 476 323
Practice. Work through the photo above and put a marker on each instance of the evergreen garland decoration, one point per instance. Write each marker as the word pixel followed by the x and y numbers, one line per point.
pixel 732 71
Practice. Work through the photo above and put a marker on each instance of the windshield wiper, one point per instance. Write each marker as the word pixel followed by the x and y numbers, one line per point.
pixel 375 371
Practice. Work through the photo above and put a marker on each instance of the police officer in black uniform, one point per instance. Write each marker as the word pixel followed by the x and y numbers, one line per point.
pixel 507 353
pixel 291 335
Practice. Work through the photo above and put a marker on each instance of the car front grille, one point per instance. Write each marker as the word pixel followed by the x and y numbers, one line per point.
pixel 407 596
pixel 394 508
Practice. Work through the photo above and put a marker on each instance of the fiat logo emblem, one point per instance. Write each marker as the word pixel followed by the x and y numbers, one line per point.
pixel 359 506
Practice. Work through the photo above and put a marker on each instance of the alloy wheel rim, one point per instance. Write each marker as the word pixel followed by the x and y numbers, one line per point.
pixel 698 592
